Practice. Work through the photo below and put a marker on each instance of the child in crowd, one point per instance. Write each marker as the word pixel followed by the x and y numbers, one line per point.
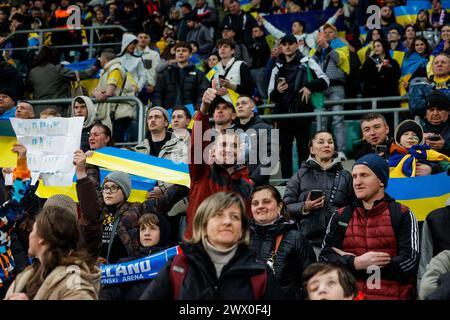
pixel 323 281
pixel 154 235
pixel 410 157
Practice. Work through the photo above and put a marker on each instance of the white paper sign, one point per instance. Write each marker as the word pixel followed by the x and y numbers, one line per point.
pixel 50 144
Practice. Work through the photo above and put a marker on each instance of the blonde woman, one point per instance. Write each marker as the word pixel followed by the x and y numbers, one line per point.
pixel 217 263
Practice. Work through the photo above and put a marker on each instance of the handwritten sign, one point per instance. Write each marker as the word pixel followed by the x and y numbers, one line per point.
pixel 50 146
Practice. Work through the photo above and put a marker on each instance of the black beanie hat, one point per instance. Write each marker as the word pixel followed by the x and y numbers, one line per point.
pixel 438 99
pixel 408 125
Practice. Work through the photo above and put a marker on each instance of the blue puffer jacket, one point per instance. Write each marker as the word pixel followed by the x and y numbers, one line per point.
pixel 419 89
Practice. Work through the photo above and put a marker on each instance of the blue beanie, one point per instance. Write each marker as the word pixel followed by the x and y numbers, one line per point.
pixel 377 164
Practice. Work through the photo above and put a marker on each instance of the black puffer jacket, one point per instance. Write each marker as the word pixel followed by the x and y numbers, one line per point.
pixel 312 176
pixel 293 255
pixel 177 86
pixel 201 283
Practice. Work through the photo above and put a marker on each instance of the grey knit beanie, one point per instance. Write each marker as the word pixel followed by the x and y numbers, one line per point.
pixel 61 201
pixel 122 179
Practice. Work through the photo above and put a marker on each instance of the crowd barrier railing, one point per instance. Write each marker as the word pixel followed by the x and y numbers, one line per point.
pixel 374 102
pixel 134 99
pixel 90 45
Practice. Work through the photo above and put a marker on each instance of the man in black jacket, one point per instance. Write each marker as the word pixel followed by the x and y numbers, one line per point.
pixel 259 133
pixel 436 126
pixel 291 90
pixel 375 138
pixel 259 53
pixel 241 22
pixel 181 83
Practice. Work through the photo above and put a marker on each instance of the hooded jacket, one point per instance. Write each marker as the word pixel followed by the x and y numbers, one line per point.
pixel 131 63
pixel 292 257
pixel 55 285
pixel 88 123
pixel 312 176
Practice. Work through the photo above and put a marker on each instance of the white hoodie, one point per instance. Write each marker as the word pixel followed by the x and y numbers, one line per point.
pixel 132 64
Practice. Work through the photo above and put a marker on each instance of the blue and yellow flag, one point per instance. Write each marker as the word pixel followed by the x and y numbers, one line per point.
pixel 141 165
pixel 8 159
pixel 404 165
pixel 89 84
pixel 139 188
pixel 421 194
pixel 408 14
pixel 246 5
pixel 344 54
pixel 409 66
pixel 197 61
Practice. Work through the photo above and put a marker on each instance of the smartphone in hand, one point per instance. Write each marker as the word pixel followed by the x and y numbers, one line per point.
pixel 316 194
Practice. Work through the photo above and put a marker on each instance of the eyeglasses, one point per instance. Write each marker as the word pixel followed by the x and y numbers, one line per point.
pixel 110 189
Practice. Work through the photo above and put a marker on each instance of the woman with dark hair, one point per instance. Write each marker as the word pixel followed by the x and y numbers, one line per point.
pixel 57 78
pixel 380 76
pixel 410 35
pixel 275 238
pixel 423 27
pixel 217 263
pixel 319 187
pixel 62 269
pixel 415 63
pixel 367 50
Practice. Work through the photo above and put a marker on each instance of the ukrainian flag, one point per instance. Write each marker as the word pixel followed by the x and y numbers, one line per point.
pixel 8 159
pixel 344 54
pixel 421 194
pixel 409 66
pixel 139 188
pixel 246 5
pixel 141 165
pixel 408 14
pixel 191 110
pixel 89 84
pixel 198 62
pixel 397 56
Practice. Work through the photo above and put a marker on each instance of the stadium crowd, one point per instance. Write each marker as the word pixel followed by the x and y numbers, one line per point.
pixel 209 68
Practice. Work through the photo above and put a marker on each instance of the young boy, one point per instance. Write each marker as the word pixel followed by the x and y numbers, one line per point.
pixel 154 235
pixel 410 157
pixel 321 281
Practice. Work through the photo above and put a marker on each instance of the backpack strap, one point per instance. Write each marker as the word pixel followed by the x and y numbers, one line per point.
pixel 343 221
pixel 113 233
pixel 259 284
pixel 178 270
pixel 395 212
